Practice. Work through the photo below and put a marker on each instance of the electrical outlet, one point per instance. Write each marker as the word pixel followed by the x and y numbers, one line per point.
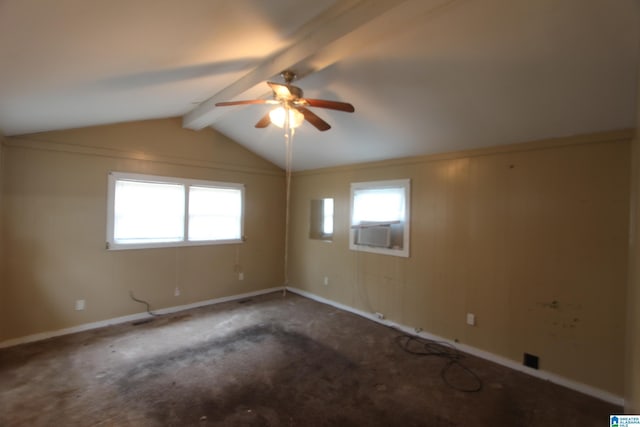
pixel 241 276
pixel 176 292
pixel 326 280
pixel 80 305
pixel 471 319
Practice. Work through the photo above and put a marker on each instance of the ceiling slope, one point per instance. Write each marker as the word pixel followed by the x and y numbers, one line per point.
pixel 331 37
pixel 425 76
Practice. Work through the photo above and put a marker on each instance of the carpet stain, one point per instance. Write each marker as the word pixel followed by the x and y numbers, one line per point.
pixel 262 376
pixel 271 361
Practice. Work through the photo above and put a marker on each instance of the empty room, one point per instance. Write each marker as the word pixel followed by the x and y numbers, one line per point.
pixel 319 213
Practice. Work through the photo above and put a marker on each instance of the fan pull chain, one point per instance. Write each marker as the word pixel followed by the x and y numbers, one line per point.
pixel 288 142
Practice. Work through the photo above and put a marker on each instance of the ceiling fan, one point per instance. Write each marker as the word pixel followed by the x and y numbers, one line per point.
pixel 292 104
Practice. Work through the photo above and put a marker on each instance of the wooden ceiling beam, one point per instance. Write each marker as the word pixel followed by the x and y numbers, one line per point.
pixel 334 35
pixel 335 23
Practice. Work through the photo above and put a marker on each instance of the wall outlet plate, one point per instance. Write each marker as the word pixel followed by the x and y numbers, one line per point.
pixel 176 292
pixel 80 303
pixel 471 319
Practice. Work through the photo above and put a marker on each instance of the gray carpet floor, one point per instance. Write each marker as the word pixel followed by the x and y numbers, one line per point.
pixel 271 361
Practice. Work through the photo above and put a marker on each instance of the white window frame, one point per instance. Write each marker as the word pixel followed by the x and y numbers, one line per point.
pixel 113 177
pixel 372 185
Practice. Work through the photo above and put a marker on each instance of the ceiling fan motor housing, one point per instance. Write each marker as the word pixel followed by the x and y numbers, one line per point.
pixel 295 91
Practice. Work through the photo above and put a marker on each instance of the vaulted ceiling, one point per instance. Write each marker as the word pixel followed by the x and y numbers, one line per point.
pixel 425 76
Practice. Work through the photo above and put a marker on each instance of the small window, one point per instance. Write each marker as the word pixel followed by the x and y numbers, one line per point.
pixel 380 217
pixel 321 219
pixel 146 211
pixel 327 217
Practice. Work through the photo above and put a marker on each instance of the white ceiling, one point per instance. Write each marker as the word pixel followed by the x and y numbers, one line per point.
pixel 425 76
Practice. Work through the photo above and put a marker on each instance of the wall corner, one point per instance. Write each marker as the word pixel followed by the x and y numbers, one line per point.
pixel 3 280
pixel 632 341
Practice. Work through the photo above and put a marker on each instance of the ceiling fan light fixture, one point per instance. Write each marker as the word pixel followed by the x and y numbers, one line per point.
pixel 278 115
pixel 290 98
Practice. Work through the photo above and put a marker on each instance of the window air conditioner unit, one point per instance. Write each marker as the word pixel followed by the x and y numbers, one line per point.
pixel 376 235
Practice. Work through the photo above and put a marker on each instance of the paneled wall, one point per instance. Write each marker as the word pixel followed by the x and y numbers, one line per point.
pixel 632 365
pixel 531 238
pixel 3 298
pixel 54 209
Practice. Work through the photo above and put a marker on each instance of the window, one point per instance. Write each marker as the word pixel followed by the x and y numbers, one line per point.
pixel 380 217
pixel 327 217
pixel 146 211
pixel 321 219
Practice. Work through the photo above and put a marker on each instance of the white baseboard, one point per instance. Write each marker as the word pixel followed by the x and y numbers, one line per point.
pixel 129 318
pixel 548 376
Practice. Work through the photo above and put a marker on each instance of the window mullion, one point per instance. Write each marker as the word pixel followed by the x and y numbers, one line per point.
pixel 185 237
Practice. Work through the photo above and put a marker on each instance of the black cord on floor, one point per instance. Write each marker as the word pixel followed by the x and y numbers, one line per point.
pixel 424 347
pixel 142 302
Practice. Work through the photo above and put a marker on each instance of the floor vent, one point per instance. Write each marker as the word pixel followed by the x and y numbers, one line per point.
pixel 531 360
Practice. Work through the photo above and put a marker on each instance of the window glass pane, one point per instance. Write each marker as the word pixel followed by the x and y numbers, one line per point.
pixel 380 217
pixel 148 212
pixel 214 213
pixel 379 205
pixel 327 216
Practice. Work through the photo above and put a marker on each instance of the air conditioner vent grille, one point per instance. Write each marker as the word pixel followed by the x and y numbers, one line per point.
pixel 377 236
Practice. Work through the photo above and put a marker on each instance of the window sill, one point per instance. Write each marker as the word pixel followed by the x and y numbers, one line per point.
pixel 110 246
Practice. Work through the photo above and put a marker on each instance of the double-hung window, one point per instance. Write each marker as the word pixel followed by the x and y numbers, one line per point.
pixel 380 217
pixel 146 211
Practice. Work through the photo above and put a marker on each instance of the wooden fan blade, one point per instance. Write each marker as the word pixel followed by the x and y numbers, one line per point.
pixel 333 105
pixel 311 117
pixel 264 121
pixel 250 101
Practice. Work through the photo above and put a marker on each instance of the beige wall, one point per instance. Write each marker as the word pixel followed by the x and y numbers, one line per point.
pixel 501 233
pixel 531 238
pixel 2 262
pixel 632 366
pixel 55 214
